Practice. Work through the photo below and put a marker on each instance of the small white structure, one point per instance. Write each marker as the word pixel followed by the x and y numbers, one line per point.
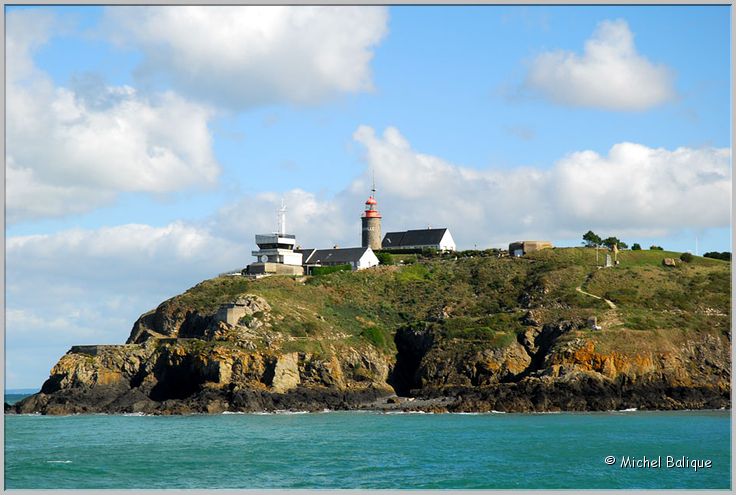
pixel 520 248
pixel 439 239
pixel 358 258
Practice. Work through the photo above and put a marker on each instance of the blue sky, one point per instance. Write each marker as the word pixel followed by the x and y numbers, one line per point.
pixel 133 151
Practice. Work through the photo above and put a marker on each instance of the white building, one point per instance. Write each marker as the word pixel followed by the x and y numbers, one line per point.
pixel 277 248
pixel 276 252
pixel 359 258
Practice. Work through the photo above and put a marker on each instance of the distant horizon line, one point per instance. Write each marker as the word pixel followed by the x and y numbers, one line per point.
pixel 22 390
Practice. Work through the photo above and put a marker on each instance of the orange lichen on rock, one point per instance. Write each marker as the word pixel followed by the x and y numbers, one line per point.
pixel 585 358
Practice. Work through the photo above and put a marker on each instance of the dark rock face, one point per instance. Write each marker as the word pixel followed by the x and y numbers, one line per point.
pixel 586 394
pixel 412 344
pixel 205 401
pixel 178 361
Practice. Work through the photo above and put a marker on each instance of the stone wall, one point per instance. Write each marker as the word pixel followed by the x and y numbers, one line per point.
pixel 274 269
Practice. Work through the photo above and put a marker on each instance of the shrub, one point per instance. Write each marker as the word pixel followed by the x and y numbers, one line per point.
pixel 430 252
pixel 725 255
pixel 413 273
pixel 298 332
pixel 640 322
pixel 385 258
pixel 622 295
pixel 636 247
pixel 307 328
pixel 468 253
pixel 310 327
pixel 324 270
pixel 375 336
pixel 656 248
pixel 686 257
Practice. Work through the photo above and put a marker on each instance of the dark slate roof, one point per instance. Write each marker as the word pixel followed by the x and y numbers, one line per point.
pixel 420 237
pixel 336 256
pixel 392 239
pixel 306 253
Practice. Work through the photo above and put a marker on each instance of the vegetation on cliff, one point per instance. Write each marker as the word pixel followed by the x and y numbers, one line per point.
pixel 492 332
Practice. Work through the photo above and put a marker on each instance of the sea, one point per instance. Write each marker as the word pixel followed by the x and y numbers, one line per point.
pixel 617 449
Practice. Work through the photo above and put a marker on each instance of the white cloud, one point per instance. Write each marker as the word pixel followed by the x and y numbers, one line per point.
pixel 610 74
pixel 71 151
pixel 319 222
pixel 245 56
pixel 26 32
pixel 114 253
pixel 633 189
pixel 637 187
pixel 89 286
pixel 28 197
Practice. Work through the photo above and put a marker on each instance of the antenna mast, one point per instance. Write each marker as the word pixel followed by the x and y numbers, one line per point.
pixel 282 217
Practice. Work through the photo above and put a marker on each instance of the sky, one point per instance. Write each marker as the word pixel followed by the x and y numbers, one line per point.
pixel 146 146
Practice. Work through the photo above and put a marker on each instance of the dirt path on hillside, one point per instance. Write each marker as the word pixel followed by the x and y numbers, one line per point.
pixel 610 303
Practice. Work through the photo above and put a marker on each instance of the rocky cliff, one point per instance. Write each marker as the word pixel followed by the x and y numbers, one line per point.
pixel 476 333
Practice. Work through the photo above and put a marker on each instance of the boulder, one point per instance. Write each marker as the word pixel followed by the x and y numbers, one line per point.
pixel 286 373
pixel 244 307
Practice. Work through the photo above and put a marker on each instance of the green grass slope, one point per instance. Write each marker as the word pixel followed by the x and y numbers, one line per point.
pixel 484 299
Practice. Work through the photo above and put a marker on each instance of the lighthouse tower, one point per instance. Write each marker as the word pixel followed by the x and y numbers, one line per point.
pixel 371 223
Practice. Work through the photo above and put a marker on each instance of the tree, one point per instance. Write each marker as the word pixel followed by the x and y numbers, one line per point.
pixel 686 257
pixel 725 255
pixel 610 241
pixel 636 247
pixel 623 245
pixel 591 239
pixel 656 248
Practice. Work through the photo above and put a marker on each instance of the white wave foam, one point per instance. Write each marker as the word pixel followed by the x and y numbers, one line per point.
pixel 284 412
pixel 59 462
pixel 408 412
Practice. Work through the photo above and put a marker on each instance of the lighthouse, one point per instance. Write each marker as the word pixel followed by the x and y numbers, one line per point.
pixel 371 223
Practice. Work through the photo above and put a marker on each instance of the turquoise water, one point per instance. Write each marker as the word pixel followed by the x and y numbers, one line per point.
pixel 364 450
pixel 13 398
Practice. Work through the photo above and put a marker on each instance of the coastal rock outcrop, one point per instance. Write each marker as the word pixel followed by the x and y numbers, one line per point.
pixel 508 336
